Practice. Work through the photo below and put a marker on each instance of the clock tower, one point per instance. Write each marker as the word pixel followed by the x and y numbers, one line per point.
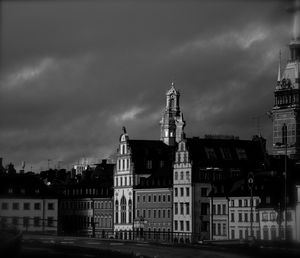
pixel 286 110
pixel 172 123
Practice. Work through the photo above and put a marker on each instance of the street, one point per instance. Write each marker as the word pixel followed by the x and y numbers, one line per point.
pixel 79 247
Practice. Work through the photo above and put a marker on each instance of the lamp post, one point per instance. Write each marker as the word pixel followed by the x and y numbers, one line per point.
pixel 250 185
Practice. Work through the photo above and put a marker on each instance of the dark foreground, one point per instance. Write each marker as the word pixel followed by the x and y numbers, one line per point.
pixel 54 247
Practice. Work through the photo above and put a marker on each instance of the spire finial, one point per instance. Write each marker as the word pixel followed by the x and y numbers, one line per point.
pixel 124 129
pixel 296 25
pixel 279 68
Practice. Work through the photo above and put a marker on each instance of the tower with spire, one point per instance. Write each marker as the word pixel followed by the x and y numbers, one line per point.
pixel 286 110
pixel 172 122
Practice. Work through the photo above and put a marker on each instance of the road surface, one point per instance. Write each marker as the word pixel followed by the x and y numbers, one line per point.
pixel 77 247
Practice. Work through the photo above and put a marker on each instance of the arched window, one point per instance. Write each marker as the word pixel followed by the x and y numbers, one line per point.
pixel 130 211
pixel 117 211
pixel 123 210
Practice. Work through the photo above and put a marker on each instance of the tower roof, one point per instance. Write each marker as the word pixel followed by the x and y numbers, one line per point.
pixel 172 90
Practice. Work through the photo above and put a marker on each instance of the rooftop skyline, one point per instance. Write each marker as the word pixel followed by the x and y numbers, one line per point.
pixel 74 72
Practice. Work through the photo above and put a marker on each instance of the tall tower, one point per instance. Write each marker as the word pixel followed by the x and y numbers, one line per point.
pixel 286 111
pixel 172 123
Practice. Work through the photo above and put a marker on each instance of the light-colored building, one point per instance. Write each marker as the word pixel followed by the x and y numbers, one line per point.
pixel 272 223
pixel 137 159
pixel 27 204
pixel 219 218
pixel 240 214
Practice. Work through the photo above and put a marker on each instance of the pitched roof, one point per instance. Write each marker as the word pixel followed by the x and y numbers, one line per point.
pixel 151 157
pixel 225 153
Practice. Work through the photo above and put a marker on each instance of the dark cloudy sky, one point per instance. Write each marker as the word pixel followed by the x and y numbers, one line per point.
pixel 74 72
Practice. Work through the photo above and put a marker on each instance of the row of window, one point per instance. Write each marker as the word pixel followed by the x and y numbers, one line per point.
pixel 28 221
pixel 159 213
pixel 87 191
pixel 123 164
pixel 23 191
pixel 182 174
pixel 219 229
pixel 181 191
pixel 83 205
pixel 179 225
pixel 182 157
pixel 181 208
pixel 243 203
pixel 273 216
pixel 287 99
pixel 103 222
pixel 219 209
pixel 154 197
pixel 246 218
pixel 26 206
pixel 244 234
pixel 123 181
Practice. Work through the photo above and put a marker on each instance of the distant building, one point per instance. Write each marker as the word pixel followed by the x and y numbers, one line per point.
pixel 137 159
pixel 27 204
pixel 240 216
pixel 202 165
pixel 86 209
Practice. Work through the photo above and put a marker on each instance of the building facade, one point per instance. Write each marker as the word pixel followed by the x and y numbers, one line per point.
pixel 153 218
pixel 27 204
pixel 286 110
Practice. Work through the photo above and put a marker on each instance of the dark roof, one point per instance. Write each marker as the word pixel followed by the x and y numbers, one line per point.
pixel 160 155
pixel 24 186
pixel 155 181
pixel 199 153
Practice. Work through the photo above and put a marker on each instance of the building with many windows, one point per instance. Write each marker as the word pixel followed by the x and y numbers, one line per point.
pixel 27 204
pixel 203 167
pixel 153 207
pixel 137 159
pixel 86 209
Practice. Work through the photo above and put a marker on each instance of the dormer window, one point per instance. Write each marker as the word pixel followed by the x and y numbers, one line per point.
pixel 241 153
pixel 10 190
pixel 37 191
pixel 22 191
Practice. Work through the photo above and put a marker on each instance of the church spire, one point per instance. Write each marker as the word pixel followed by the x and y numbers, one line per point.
pixel 279 69
pixel 295 43
pixel 172 122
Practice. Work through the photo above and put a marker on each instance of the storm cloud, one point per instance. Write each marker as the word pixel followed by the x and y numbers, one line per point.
pixel 74 72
